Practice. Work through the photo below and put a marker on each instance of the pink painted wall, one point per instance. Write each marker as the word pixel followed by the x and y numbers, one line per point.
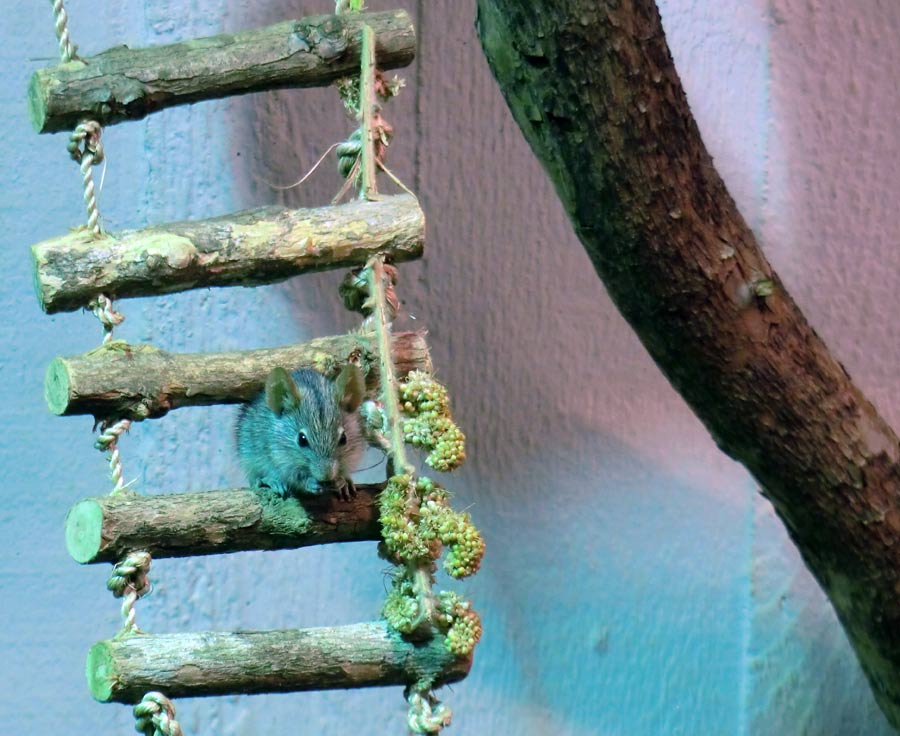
pixel 635 583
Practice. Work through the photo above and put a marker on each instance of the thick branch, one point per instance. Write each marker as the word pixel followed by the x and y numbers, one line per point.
pixel 248 248
pixel 594 89
pixel 220 663
pixel 127 84
pixel 104 528
pixel 140 381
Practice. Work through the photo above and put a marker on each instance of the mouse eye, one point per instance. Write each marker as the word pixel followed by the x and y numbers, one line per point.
pixel 302 440
pixel 342 440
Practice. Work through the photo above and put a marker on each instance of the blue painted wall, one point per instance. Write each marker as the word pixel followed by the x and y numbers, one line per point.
pixel 655 592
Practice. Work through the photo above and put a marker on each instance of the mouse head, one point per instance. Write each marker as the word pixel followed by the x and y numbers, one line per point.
pixel 284 393
pixel 311 434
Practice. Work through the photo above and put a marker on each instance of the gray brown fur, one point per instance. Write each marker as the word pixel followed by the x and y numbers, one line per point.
pixel 269 428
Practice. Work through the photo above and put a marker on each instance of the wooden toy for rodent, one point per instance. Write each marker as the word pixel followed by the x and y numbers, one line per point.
pixel 425 638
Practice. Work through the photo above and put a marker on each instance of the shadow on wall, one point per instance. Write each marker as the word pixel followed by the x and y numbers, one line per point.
pixel 277 138
pixel 613 588
pixel 615 592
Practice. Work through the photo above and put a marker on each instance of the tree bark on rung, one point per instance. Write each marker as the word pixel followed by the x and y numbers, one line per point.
pixel 118 380
pixel 225 663
pixel 105 528
pixel 259 246
pixel 128 84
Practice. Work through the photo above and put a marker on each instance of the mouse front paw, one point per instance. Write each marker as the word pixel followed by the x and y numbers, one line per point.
pixel 275 485
pixel 345 489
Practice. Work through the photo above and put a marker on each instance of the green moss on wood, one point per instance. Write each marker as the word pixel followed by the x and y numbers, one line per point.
pixel 127 84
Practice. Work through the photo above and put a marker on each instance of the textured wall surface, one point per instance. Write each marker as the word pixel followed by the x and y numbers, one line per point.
pixel 655 593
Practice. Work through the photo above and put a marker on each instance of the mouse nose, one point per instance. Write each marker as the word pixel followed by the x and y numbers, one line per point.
pixel 326 471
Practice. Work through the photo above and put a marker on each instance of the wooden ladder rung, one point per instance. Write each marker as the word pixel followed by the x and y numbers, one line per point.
pixel 259 246
pixel 226 663
pixel 137 382
pixel 128 84
pixel 105 528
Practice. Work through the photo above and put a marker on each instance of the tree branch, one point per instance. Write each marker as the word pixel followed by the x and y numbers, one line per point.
pixel 106 528
pixel 242 662
pixel 128 84
pixel 594 89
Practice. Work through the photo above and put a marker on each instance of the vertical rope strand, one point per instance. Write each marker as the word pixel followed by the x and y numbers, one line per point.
pixel 129 581
pixel 368 187
pixel 61 23
pixel 381 319
pixel 108 441
pixel 85 147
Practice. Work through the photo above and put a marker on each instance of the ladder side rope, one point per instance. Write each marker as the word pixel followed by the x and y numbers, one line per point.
pixel 67 50
pixel 129 580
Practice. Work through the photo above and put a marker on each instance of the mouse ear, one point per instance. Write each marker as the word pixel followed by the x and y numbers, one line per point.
pixel 350 387
pixel 281 391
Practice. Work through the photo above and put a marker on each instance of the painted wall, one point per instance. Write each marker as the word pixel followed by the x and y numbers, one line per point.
pixel 656 594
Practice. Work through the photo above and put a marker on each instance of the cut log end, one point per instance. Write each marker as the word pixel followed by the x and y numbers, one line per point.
pixel 84 527
pixel 57 386
pixel 100 670
pixel 37 102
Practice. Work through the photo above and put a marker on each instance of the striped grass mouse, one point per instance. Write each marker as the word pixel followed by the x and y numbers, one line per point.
pixel 302 433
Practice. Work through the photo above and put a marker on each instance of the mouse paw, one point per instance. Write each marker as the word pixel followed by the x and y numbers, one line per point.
pixel 275 485
pixel 345 489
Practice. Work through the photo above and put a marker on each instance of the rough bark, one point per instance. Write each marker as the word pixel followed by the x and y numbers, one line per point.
pixel 117 380
pixel 128 84
pixel 220 663
pixel 253 247
pixel 105 528
pixel 593 87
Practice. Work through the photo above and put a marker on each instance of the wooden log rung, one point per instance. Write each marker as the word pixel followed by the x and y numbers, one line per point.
pixel 260 246
pixel 128 84
pixel 137 382
pixel 229 663
pixel 105 528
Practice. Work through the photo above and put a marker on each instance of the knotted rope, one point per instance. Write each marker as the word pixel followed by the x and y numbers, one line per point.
pixel 426 714
pixel 103 309
pixel 129 580
pixel 155 716
pixel 85 147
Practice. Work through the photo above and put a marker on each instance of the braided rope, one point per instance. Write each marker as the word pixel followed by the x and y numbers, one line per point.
pixel 85 147
pixel 61 22
pixel 155 716
pixel 108 441
pixel 129 580
pixel 426 714
pixel 102 307
pixel 349 151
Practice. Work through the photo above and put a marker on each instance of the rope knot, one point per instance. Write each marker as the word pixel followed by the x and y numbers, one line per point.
pixel 108 441
pixel 349 151
pixel 130 575
pixel 102 308
pixel 85 140
pixel 129 582
pixel 155 716
pixel 426 714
